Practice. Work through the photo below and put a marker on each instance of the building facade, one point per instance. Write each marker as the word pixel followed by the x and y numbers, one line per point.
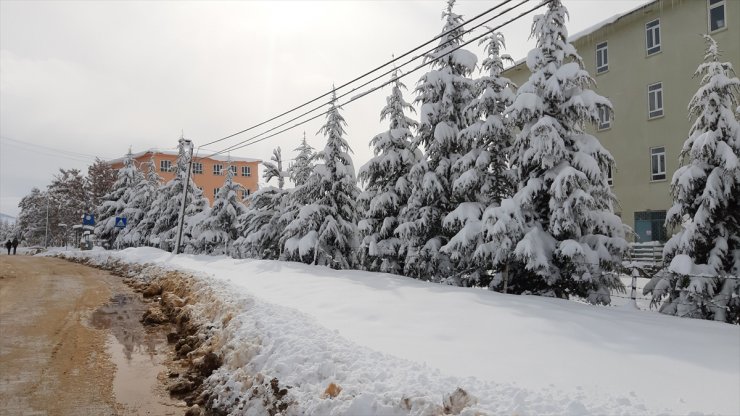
pixel 643 61
pixel 208 172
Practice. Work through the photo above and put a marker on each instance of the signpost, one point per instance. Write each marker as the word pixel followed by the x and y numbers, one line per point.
pixel 120 222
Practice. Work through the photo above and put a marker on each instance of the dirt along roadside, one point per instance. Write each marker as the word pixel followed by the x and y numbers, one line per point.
pixel 71 343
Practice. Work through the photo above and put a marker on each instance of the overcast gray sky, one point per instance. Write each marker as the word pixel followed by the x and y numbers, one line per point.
pixel 80 79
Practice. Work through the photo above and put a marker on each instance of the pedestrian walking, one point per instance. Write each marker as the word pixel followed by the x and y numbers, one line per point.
pixel 15 244
pixel 8 245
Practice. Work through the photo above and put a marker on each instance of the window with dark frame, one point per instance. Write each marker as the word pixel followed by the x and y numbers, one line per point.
pixel 657 163
pixel 602 58
pixel 716 14
pixel 197 168
pixel 605 121
pixel 215 192
pixel 655 100
pixel 246 171
pixel 652 34
pixel 165 166
pixel 245 193
pixel 232 168
pixel 609 175
pixel 217 169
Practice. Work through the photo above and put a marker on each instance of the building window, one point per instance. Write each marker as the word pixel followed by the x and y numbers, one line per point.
pixel 245 193
pixel 716 15
pixel 246 171
pixel 609 175
pixel 605 120
pixel 217 169
pixel 165 166
pixel 232 168
pixel 197 168
pixel 602 58
pixel 655 100
pixel 652 33
pixel 215 192
pixel 657 163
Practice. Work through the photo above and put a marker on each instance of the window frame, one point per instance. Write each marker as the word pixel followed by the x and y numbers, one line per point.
pixel 164 162
pixel 246 171
pixel 659 111
pixel 610 174
pixel 650 35
pixel 245 193
pixel 218 169
pixel 215 192
pixel 197 168
pixel 602 47
pixel 232 168
pixel 604 124
pixel 658 154
pixel 719 4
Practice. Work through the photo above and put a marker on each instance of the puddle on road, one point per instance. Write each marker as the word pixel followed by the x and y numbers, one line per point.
pixel 138 354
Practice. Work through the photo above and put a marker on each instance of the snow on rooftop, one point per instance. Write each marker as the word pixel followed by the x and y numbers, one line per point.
pixel 220 158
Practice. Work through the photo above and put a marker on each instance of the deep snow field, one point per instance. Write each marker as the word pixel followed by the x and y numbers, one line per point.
pixel 385 338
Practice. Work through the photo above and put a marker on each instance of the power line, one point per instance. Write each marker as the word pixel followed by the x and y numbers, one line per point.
pixel 366 74
pixel 252 140
pixel 67 152
pixel 54 153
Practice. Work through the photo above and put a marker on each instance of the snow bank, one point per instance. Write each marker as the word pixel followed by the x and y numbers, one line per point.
pixel 397 345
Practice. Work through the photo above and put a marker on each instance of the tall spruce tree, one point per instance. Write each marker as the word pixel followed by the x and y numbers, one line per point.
pixel 139 225
pixel 302 165
pixel 324 232
pixel 100 179
pixel 443 94
pixel 387 188
pixel 483 177
pixel 115 202
pixel 260 226
pixel 558 235
pixel 165 210
pixel 704 255
pixel 218 230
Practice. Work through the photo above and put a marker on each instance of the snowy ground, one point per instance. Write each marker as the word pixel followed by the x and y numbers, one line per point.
pixel 384 338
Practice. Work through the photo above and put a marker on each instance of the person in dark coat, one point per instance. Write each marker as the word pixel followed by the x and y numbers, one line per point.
pixel 8 245
pixel 15 245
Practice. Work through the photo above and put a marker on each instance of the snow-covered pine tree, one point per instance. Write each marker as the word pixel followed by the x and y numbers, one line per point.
pixel 218 230
pixel 69 201
pixel 115 202
pixel 260 226
pixel 31 223
pixel 325 230
pixel 558 235
pixel 443 93
pixel 704 255
pixel 386 185
pixel 100 179
pixel 483 175
pixel 138 225
pixel 302 165
pixel 166 207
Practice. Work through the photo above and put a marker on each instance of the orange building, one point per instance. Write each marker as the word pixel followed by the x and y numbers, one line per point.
pixel 208 172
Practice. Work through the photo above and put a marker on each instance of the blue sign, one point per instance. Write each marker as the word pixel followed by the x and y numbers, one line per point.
pixel 120 222
pixel 88 219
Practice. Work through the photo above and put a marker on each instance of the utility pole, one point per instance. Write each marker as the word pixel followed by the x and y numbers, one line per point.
pixel 46 235
pixel 186 185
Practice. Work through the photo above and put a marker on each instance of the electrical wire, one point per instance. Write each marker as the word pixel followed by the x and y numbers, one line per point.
pixel 251 140
pixel 368 73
